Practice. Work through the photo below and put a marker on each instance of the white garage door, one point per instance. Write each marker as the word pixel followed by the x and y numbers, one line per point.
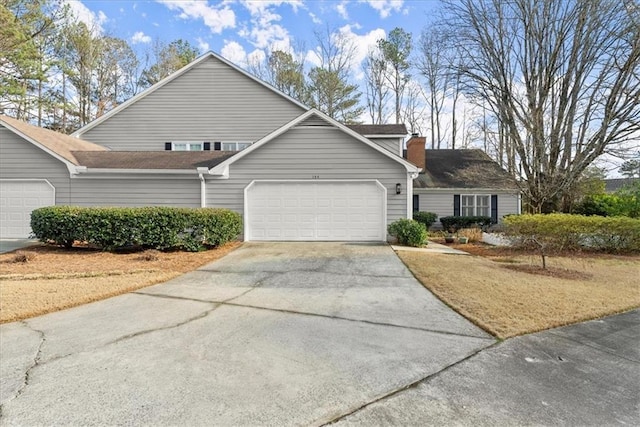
pixel 17 199
pixel 316 210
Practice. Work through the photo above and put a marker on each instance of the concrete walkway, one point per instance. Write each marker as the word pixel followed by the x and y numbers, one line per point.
pixel 272 334
pixel 582 375
pixel 432 247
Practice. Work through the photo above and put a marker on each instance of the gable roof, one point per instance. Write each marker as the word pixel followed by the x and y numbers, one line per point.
pixel 151 159
pixel 174 76
pixel 220 169
pixel 57 144
pixel 380 130
pixel 469 168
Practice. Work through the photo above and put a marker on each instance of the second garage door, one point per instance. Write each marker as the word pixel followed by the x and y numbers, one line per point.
pixel 315 211
pixel 17 199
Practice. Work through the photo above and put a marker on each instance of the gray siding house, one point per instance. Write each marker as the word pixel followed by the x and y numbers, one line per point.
pixel 461 183
pixel 211 135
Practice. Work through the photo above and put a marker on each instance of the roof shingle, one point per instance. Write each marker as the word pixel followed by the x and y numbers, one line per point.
pixel 151 159
pixel 469 168
pixel 59 143
pixel 399 129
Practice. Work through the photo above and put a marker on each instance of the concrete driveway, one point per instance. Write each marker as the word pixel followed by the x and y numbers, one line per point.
pixel 586 374
pixel 272 334
pixel 8 245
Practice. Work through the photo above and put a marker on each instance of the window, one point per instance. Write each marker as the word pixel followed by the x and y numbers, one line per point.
pixel 475 205
pixel 234 146
pixel 187 146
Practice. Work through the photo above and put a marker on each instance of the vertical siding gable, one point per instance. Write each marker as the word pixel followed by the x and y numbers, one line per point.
pixel 390 144
pixel 20 159
pixel 210 102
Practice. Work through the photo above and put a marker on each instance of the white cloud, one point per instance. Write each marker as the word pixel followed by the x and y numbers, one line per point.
pixel 93 20
pixel 385 7
pixel 234 52
pixel 263 31
pixel 256 57
pixel 363 43
pixel 216 18
pixel 314 18
pixel 140 37
pixel 203 45
pixel 256 7
pixel 341 8
pixel 313 57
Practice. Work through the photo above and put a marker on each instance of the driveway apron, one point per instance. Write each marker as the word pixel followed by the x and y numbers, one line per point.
pixel 271 334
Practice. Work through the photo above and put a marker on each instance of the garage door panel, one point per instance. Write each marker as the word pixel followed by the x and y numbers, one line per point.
pixel 316 210
pixel 18 198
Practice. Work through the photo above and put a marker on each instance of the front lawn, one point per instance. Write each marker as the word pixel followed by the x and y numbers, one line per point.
pixel 507 293
pixel 43 279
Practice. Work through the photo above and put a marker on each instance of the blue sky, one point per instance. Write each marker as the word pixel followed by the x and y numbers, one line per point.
pixel 240 29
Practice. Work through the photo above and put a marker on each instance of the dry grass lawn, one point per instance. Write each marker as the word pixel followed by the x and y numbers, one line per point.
pixel 53 278
pixel 504 297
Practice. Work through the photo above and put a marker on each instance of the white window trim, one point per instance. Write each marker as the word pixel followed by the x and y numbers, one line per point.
pixel 236 143
pixel 188 144
pixel 475 204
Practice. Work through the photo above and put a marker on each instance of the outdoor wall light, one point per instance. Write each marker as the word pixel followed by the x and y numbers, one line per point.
pixel 398 188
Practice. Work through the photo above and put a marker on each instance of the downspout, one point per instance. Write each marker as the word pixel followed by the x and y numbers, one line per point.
pixel 203 186
pixel 410 177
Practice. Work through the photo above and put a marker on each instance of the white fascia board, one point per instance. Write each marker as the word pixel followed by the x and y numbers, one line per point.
pixel 85 172
pixel 463 190
pixel 217 170
pixel 172 77
pixel 139 171
pixel 377 135
pixel 70 165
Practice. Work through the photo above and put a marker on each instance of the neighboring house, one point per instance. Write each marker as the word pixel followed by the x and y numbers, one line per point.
pixel 212 135
pixel 461 183
pixel 614 184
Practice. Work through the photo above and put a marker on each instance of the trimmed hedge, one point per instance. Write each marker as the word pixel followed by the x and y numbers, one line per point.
pixel 426 218
pixel 150 227
pixel 455 223
pixel 408 232
pixel 573 232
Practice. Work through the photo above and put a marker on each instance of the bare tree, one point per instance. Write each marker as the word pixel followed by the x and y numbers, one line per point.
pixel 395 50
pixel 562 77
pixel 376 91
pixel 433 64
pixel 414 107
pixel 328 87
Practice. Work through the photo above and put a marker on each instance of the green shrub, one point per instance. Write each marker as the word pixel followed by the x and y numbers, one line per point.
pixel 624 202
pixel 149 227
pixel 573 232
pixel 59 224
pixel 408 232
pixel 455 223
pixel 426 218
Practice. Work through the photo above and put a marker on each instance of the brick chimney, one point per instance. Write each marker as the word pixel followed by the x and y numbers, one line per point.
pixel 415 150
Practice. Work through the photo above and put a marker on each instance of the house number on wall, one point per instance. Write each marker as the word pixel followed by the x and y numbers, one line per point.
pixel 315 176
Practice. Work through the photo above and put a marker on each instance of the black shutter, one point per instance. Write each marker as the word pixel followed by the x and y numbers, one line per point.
pixel 456 205
pixel 217 146
pixel 207 146
pixel 167 146
pixel 494 208
pixel 416 203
